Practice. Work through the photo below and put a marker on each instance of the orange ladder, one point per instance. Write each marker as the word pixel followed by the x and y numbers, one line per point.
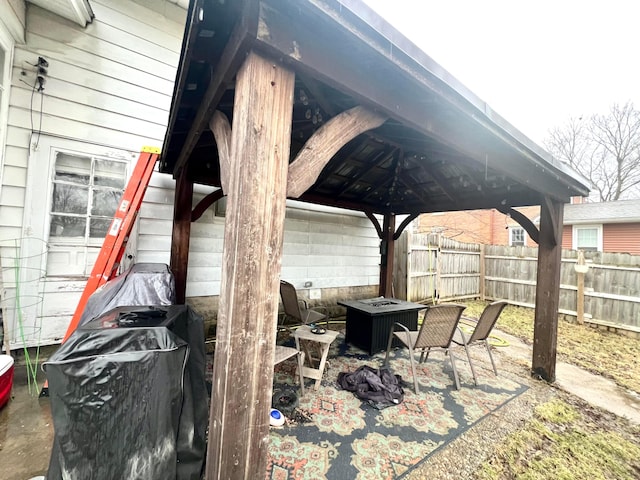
pixel 113 247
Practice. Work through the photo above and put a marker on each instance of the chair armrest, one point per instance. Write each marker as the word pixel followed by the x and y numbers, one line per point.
pixel 324 311
pixel 404 327
pixel 465 340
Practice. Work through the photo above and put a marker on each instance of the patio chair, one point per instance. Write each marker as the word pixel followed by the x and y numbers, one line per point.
pixel 482 330
pixel 436 332
pixel 298 309
pixel 284 353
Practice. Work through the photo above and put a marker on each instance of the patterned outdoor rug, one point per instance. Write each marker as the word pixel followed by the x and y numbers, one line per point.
pixel 334 435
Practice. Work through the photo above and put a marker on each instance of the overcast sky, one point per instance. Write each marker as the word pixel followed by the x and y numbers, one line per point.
pixel 536 63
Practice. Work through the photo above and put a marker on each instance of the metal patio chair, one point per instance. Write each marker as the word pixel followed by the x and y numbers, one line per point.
pixel 482 330
pixel 436 332
pixel 298 309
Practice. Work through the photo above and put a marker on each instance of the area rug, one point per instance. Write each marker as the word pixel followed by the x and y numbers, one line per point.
pixel 334 435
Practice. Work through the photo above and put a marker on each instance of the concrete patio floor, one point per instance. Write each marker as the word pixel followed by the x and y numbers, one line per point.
pixel 26 428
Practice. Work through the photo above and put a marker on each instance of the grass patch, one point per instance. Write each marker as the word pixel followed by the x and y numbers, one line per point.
pixel 599 351
pixel 560 442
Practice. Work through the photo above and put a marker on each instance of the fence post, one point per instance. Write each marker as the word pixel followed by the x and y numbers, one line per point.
pixel 581 268
pixel 482 273
pixel 438 270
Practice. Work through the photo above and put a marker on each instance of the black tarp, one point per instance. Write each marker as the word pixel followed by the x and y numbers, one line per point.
pixel 129 400
pixel 140 284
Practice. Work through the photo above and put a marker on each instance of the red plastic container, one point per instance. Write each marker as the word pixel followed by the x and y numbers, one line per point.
pixel 6 378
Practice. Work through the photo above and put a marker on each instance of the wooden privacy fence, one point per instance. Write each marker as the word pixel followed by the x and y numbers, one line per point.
pixel 431 268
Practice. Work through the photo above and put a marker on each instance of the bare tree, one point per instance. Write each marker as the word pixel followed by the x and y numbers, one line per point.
pixel 605 149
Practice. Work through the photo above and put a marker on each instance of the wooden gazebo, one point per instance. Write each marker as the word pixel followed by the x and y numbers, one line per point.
pixel 323 101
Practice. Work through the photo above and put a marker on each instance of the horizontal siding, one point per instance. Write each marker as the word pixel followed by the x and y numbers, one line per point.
pixel 567 237
pixel 621 238
pixel 107 84
pixel 328 249
pixel 56 109
pixel 146 23
pixel 72 75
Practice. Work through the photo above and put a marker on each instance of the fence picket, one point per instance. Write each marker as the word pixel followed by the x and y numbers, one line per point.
pixel 433 268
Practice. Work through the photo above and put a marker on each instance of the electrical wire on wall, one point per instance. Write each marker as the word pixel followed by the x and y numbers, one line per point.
pixel 37 86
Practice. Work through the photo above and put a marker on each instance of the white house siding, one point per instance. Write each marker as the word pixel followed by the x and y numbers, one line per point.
pixel 109 84
pixel 324 246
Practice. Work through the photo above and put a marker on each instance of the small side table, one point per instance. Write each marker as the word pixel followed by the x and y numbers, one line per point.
pixel 325 340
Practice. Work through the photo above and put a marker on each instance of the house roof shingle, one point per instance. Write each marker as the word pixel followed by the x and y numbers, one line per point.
pixel 621 211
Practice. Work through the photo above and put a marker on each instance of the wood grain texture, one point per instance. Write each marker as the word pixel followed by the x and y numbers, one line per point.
pixel 325 143
pixel 219 125
pixel 254 230
pixel 545 330
pixel 387 255
pixel 180 235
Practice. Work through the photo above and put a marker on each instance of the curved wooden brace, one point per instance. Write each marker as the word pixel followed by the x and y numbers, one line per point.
pixel 524 222
pixel 221 128
pixel 404 225
pixel 205 203
pixel 375 222
pixel 325 143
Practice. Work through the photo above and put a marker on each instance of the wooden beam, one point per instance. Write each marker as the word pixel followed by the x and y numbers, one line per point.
pixel 461 204
pixel 556 225
pixel 325 143
pixel 524 222
pixel 181 77
pixel 252 252
pixel 183 196
pixel 234 53
pixel 312 37
pixel 375 222
pixel 405 223
pixel 387 246
pixel 219 125
pixel 379 159
pixel 545 330
pixel 205 203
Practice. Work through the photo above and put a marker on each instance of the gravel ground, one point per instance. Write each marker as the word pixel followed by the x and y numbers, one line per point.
pixel 461 457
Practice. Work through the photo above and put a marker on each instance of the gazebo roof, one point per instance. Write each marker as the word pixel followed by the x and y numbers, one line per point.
pixel 441 148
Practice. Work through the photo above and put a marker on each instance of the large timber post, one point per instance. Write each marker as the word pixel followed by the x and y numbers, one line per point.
pixel 387 246
pixel 545 333
pixel 181 233
pixel 247 316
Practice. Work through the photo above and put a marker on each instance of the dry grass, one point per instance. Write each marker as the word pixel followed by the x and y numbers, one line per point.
pixel 567 439
pixel 599 351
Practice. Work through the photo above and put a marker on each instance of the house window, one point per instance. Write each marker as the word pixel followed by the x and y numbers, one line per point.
pixel 86 192
pixel 517 237
pixel 587 237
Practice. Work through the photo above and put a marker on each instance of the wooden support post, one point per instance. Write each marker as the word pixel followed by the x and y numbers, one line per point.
pixel 386 255
pixel 181 233
pixel 545 332
pixel 254 229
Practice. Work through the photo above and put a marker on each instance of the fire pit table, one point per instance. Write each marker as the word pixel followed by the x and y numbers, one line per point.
pixel 370 321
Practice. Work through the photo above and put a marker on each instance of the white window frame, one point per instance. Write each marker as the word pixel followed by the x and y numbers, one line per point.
pixel 37 216
pixel 576 228
pixel 524 235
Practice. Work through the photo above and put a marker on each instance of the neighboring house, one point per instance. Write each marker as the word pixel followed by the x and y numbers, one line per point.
pixel 603 227
pixel 69 141
pixel 479 226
